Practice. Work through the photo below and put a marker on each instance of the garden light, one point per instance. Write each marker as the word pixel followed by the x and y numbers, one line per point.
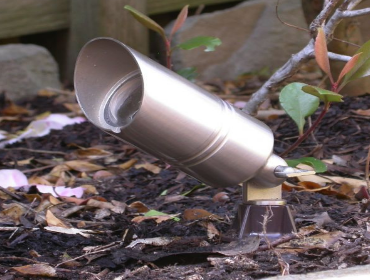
pixel 143 103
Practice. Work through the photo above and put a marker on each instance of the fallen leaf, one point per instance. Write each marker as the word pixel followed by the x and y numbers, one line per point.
pixel 212 231
pixel 221 197
pixel 321 240
pixel 92 153
pixel 139 206
pixel 362 112
pixel 127 164
pixel 155 215
pixel 43 270
pixel 99 204
pixel 14 110
pixel 89 189
pixel 22 162
pixel 102 213
pixel 51 220
pixel 102 174
pixel 150 167
pixel 320 219
pixel 155 241
pixel 83 232
pixel 13 211
pixel 197 214
pixel 83 166
pixel 36 180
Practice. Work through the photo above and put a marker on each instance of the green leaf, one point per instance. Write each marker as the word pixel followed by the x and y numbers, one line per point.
pixel 323 94
pixel 297 104
pixel 317 164
pixel 189 73
pixel 194 189
pixel 152 213
pixel 362 67
pixel 146 21
pixel 209 42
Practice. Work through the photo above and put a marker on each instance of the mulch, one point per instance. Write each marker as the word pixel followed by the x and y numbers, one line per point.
pixel 338 228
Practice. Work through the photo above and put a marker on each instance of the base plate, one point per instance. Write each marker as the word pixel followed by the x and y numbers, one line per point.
pixel 249 220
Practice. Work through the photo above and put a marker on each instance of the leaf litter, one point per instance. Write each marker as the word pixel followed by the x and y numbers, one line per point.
pixel 141 218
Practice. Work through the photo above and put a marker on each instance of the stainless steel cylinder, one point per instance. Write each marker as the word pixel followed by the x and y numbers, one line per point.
pixel 143 103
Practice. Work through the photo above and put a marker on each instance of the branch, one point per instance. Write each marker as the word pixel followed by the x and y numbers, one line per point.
pixel 339 57
pixel 356 13
pixel 296 61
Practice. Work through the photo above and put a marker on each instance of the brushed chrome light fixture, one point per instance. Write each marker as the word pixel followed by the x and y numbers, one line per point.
pixel 143 103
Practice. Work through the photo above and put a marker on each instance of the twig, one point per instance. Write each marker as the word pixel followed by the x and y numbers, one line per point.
pixel 281 240
pixel 284 266
pixel 295 62
pixel 20 259
pixel 13 195
pixel 40 168
pixel 34 151
pixel 367 179
pixel 92 253
pixel 356 13
pixel 307 132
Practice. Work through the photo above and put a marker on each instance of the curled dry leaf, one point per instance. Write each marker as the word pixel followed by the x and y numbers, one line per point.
pixel 221 197
pixel 102 174
pixel 51 220
pixel 198 214
pixel 92 153
pixel 127 164
pixel 139 206
pixel 83 166
pixel 41 270
pixel 100 204
pixel 150 167
pixel 12 212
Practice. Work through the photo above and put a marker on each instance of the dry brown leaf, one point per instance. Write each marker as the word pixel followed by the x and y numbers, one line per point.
pixel 102 174
pixel 53 200
pixel 42 270
pixel 51 220
pixel 92 153
pixel 197 214
pixel 46 93
pixel 211 229
pixel 73 107
pixel 90 189
pixel 150 167
pixel 99 204
pixel 36 180
pixel 158 219
pixel 139 206
pixel 321 240
pixel 127 164
pixel 58 170
pixel 22 162
pixel 13 212
pixel 221 197
pixel 83 166
pixel 14 110
pixel 312 186
pixel 119 207
pixel 362 112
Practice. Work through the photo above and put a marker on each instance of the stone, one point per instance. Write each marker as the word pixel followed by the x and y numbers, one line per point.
pixel 25 69
pixel 252 38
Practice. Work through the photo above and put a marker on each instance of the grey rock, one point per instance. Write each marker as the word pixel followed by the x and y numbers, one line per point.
pixel 25 69
pixel 252 38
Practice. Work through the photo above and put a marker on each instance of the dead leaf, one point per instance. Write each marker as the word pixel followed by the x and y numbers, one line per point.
pixel 102 213
pixel 36 180
pixel 92 153
pixel 83 166
pixel 99 204
pixel 43 270
pixel 51 220
pixel 139 206
pixel 150 167
pixel 320 219
pixel 362 112
pixel 321 240
pixel 83 232
pixel 312 186
pixel 212 231
pixel 102 174
pixel 127 164
pixel 22 162
pixel 14 110
pixel 119 207
pixel 197 214
pixel 89 189
pixel 155 241
pixel 221 197
pixel 13 211
pixel 73 107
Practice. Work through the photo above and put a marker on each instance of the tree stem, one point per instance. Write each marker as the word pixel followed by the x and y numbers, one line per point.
pixel 308 131
pixel 168 54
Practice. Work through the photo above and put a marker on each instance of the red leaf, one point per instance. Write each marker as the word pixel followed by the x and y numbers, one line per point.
pixel 348 67
pixel 321 53
pixel 180 20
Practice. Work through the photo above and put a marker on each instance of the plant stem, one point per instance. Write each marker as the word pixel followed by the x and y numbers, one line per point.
pixel 308 131
pixel 168 54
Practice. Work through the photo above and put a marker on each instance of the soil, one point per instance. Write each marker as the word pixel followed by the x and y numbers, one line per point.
pixel 333 227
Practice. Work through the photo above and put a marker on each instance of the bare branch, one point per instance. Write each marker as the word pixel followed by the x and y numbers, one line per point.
pixel 356 13
pixel 295 62
pixel 339 57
